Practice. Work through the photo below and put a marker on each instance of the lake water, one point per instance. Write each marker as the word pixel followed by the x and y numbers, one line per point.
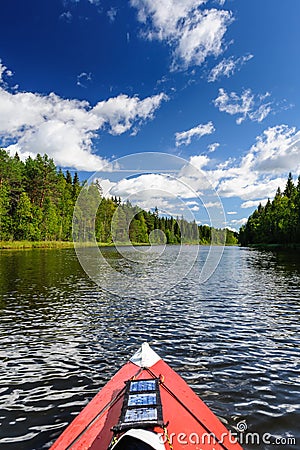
pixel 234 339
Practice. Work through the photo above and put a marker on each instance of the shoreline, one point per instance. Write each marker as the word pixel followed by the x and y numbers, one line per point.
pixel 280 247
pixel 29 245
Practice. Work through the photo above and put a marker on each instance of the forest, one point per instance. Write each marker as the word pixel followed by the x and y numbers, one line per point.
pixel 37 202
pixel 278 222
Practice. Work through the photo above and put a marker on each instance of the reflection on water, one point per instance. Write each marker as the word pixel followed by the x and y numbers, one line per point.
pixel 235 339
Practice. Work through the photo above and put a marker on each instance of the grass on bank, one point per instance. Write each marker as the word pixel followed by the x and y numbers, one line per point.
pixel 19 245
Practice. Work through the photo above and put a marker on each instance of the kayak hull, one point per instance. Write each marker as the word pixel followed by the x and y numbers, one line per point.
pixel 190 424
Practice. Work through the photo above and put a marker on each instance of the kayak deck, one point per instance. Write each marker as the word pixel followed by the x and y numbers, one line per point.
pixel 185 422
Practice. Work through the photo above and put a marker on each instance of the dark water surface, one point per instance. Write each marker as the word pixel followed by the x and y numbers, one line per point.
pixel 234 339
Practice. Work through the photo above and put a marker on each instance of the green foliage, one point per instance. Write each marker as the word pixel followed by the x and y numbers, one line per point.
pixel 278 222
pixel 37 202
pixel 231 237
pixel 40 178
pixel 5 219
pixel 23 219
pixel 36 199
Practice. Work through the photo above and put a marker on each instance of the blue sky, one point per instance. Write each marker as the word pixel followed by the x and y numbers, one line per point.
pixel 213 82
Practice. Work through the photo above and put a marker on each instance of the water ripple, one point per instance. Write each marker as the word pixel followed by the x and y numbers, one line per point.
pixel 234 339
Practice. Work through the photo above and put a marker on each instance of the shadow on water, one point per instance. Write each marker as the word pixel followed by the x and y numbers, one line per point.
pixel 235 340
pixel 285 261
pixel 35 271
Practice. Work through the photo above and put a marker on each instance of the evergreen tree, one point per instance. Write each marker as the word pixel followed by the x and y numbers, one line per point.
pixel 278 222
pixel 85 213
pixel 68 177
pixel 40 178
pixel 290 189
pixel 120 226
pixel 37 202
pixel 76 186
pixel 5 219
pixel 23 216
pixel 50 227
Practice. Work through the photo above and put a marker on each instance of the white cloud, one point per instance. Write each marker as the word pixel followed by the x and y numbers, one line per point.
pixel 191 203
pixel 199 161
pixel 120 113
pixel 201 36
pixel 254 203
pixel 247 190
pixel 106 185
pixel 239 222
pixel 232 228
pixel 112 14
pixel 277 150
pixel 83 79
pixel 247 105
pixel 164 15
pixel 258 174
pixel 265 166
pixel 227 67
pixel 64 142
pixel 212 205
pixel 148 185
pixel 67 16
pixel 193 33
pixel 253 178
pixel 213 147
pixel 169 194
pixel 185 137
pixel 92 2
pixel 65 129
pixel 4 72
pixel 172 195
pixel 197 187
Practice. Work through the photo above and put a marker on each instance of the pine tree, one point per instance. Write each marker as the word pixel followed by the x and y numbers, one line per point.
pixel 5 219
pixel 76 186
pixel 120 226
pixel 22 221
pixel 278 222
pixel 290 189
pixel 68 177
pixel 40 178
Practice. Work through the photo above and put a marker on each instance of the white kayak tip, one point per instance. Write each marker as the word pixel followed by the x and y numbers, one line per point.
pixel 150 438
pixel 145 356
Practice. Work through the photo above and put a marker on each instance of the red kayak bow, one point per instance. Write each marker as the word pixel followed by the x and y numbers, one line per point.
pixel 146 406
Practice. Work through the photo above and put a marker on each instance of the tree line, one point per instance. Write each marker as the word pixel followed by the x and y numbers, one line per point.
pixel 37 202
pixel 278 222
